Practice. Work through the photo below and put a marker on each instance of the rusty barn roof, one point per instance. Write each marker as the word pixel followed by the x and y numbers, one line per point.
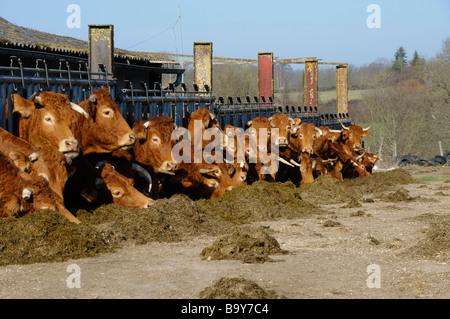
pixel 12 35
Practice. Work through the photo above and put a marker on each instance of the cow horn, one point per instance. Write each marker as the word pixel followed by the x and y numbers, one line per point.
pixel 165 171
pixel 79 109
pixel 26 193
pixel 144 173
pixel 294 131
pixel 93 98
pixel 344 127
pixel 282 160
pixel 366 129
pixel 294 162
pixel 334 131
pixel 146 124
pixel 360 156
pixel 34 156
pixel 35 99
pixel 249 123
pixel 100 163
pixel 319 130
pixel 292 120
pixel 208 170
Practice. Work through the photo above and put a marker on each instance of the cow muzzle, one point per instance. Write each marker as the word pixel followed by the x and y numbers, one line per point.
pixel 127 142
pixel 150 202
pixel 70 148
pixel 169 166
pixel 282 141
pixel 308 150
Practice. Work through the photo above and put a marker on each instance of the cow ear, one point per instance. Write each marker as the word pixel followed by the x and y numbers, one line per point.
pixel 140 131
pixel 365 133
pixel 22 106
pixel 231 169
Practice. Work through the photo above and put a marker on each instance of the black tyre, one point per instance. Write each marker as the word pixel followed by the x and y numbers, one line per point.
pixel 440 159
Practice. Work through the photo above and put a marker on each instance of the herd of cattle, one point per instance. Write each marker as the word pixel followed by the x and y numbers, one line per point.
pixel 70 156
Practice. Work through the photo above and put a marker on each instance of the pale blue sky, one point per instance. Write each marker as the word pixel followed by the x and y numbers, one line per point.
pixel 334 31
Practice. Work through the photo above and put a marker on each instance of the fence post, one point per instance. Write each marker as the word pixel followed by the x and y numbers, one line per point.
pixel 265 75
pixel 311 82
pixel 342 88
pixel 101 49
pixel 441 151
pixel 203 65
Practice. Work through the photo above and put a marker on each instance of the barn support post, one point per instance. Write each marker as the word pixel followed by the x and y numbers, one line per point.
pixel 311 82
pixel 203 66
pixel 342 88
pixel 265 75
pixel 101 50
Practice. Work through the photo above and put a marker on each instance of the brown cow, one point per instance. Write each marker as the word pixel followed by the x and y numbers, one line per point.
pixel 203 120
pixel 105 130
pixel 33 190
pixel 121 189
pixel 154 146
pixel 352 136
pixel 284 124
pixel 46 121
pixel 51 165
pixel 303 136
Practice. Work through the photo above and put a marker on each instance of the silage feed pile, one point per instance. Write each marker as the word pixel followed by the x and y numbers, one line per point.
pixel 237 288
pixel 248 245
pixel 46 236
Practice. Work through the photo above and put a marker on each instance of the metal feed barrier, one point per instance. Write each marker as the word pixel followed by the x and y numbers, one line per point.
pixel 142 101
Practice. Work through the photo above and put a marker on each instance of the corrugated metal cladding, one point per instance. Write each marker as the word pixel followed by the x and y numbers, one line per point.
pixel 265 75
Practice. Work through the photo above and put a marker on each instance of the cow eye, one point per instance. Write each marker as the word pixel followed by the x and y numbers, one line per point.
pixel 108 113
pixel 300 136
pixel 116 193
pixel 48 119
pixel 288 128
pixel 243 178
pixel 155 140
pixel 217 173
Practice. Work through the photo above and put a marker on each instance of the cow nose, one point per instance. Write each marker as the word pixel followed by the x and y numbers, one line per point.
pixel 357 146
pixel 229 188
pixel 307 150
pixel 282 141
pixel 149 203
pixel 71 145
pixel 170 166
pixel 132 138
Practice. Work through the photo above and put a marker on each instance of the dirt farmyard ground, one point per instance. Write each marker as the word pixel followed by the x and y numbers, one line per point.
pixel 327 240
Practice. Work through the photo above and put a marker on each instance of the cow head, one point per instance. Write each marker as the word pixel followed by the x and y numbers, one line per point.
pixel 121 188
pixel 154 146
pixel 105 130
pixel 330 134
pixel 284 125
pixel 303 137
pixel 53 167
pixel 259 134
pixel 208 122
pixel 46 121
pixel 353 135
